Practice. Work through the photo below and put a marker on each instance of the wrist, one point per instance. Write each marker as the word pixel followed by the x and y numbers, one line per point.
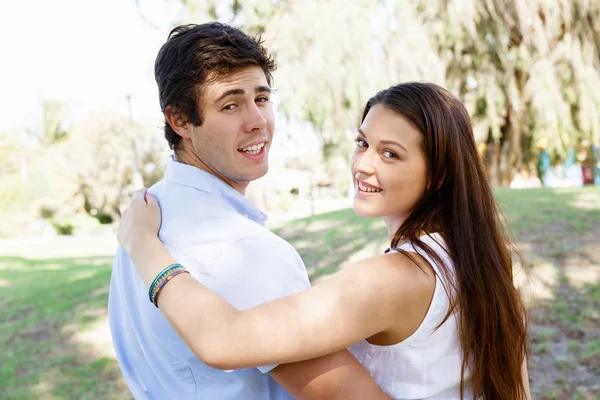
pixel 142 247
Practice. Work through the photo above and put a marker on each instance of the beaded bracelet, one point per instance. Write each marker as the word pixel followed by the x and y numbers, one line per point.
pixel 154 285
pixel 171 276
pixel 162 278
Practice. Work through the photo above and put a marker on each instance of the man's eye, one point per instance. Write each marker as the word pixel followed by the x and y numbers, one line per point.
pixel 360 142
pixel 262 99
pixel 229 107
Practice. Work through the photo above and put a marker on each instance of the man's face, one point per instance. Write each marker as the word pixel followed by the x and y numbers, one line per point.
pixel 238 122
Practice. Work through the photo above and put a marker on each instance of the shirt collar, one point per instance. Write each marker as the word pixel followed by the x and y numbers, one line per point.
pixel 187 175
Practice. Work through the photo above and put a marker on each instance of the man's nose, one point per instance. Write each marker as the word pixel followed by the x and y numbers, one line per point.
pixel 255 120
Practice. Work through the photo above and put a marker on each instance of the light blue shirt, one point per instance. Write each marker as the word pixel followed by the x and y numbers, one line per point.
pixel 219 236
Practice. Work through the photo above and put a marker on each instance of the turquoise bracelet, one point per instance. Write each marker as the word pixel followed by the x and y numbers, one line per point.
pixel 156 283
pixel 168 277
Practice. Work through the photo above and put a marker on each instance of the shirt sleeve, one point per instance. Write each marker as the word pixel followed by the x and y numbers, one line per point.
pixel 253 271
pixel 189 262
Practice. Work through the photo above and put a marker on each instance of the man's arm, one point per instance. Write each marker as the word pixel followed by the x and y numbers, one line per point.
pixel 335 376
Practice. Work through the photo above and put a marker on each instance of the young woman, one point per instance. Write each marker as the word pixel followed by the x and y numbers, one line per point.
pixel 435 317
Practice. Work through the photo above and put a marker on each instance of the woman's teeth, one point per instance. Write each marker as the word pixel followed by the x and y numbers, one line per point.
pixel 366 188
pixel 253 149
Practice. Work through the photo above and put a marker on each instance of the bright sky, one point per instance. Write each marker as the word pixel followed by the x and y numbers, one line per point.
pixel 89 54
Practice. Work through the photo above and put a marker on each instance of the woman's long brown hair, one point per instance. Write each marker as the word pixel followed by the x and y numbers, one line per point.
pixel 460 205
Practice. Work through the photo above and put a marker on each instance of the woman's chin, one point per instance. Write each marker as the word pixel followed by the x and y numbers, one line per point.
pixel 364 211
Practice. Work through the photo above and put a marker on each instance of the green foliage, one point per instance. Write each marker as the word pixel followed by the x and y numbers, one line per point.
pixel 522 71
pixel 53 130
pixel 58 176
pixel 113 157
pixel 63 229
pixel 528 72
pixel 47 212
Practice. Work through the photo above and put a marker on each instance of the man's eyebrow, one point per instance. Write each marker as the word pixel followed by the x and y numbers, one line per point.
pixel 360 131
pixel 237 92
pixel 230 92
pixel 261 89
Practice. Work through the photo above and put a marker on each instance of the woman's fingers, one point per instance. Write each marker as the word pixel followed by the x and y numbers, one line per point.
pixel 151 200
pixel 140 194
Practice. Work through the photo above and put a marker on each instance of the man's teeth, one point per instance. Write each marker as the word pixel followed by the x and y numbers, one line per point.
pixel 366 188
pixel 254 149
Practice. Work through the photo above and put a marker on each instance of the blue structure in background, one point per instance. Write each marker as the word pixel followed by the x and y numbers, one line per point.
pixel 570 161
pixel 544 163
pixel 569 174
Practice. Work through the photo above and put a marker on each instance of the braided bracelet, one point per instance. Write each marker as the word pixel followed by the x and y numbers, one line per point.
pixel 154 285
pixel 161 280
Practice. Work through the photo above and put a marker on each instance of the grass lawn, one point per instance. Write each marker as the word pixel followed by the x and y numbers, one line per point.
pixel 55 339
pixel 53 329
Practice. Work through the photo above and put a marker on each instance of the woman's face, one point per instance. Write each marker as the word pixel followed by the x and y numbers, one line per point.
pixel 388 167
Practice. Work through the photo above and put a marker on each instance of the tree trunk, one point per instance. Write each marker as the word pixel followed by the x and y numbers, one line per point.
pixel 511 157
pixel 492 156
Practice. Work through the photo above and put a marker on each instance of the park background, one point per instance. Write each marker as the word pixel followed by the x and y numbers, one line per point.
pixel 80 129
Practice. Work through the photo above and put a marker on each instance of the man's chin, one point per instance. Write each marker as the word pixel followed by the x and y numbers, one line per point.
pixel 260 170
pixel 256 173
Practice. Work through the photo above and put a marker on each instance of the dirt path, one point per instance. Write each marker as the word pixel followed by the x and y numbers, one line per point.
pixel 563 294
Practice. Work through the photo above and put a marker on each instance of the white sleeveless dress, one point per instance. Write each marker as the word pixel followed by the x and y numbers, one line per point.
pixel 427 364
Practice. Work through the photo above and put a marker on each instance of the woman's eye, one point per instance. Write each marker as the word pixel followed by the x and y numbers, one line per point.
pixel 229 107
pixel 263 100
pixel 389 154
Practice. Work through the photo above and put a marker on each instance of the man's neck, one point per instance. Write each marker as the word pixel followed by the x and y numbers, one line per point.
pixel 192 159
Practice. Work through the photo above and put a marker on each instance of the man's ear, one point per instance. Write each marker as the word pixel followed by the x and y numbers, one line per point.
pixel 178 122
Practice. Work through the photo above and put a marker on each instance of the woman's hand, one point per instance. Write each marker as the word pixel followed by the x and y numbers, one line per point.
pixel 140 223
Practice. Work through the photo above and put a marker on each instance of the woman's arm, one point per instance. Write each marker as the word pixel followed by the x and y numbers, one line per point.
pixel 356 303
pixel 360 301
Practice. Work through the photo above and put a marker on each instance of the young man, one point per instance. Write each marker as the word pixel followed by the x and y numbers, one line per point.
pixel 214 89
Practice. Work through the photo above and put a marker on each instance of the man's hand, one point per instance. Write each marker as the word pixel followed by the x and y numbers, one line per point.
pixel 331 377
